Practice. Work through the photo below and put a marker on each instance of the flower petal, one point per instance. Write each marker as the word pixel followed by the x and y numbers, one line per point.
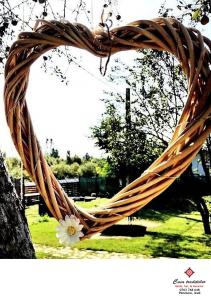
pixel 62 232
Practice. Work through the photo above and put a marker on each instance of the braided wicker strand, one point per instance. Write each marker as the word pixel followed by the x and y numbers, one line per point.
pixel 192 50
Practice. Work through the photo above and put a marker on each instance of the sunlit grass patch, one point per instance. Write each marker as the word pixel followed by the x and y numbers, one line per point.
pixel 176 234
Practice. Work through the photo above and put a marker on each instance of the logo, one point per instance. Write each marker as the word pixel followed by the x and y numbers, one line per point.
pixel 189 286
pixel 189 272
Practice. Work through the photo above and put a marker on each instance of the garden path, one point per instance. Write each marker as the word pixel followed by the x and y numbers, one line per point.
pixel 74 253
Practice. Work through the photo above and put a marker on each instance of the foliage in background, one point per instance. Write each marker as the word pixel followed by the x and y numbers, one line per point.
pixel 134 139
pixel 72 167
pixel 62 170
pixel 14 168
pixel 158 90
pixel 193 12
pixel 198 11
pixel 128 151
pixel 20 15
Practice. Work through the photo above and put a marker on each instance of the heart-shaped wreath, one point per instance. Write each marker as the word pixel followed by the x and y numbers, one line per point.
pixel 192 50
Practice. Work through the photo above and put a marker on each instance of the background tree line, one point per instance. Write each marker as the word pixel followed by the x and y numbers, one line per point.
pixel 70 167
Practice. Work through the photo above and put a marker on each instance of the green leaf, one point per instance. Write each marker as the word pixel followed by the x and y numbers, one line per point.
pixel 196 14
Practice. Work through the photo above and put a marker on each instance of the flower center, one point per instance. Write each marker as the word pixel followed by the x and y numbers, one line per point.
pixel 71 230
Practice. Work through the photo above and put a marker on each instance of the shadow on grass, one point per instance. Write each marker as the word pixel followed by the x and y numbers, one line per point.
pixel 188 218
pixel 155 215
pixel 178 246
pixel 125 230
pixel 162 216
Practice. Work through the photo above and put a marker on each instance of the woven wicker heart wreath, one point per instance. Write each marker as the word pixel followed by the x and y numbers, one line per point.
pixel 194 54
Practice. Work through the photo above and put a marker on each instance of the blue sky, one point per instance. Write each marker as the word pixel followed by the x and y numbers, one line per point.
pixel 66 113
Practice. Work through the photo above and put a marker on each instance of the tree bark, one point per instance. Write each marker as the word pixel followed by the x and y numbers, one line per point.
pixel 202 208
pixel 15 241
pixel 209 148
pixel 196 193
pixel 206 169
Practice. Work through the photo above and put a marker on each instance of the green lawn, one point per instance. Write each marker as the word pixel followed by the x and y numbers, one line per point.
pixel 169 234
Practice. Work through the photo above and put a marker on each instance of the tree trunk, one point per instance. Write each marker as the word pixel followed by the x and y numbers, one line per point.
pixel 15 241
pixel 196 194
pixel 202 208
pixel 209 148
pixel 206 169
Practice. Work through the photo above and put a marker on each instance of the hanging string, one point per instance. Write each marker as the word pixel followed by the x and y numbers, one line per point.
pixel 103 70
pixel 92 14
pixel 23 11
pixel 104 24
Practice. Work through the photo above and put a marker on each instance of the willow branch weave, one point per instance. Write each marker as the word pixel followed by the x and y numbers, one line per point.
pixel 192 50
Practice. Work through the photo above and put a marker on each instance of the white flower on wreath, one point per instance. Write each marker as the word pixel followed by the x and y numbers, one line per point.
pixel 69 230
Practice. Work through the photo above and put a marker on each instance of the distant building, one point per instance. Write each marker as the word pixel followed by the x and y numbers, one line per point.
pixel 197 167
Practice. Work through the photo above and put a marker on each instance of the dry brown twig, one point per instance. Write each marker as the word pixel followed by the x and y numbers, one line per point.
pixel 192 50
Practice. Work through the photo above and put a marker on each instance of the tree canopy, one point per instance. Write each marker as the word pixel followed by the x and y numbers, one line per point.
pixel 64 168
pixel 158 89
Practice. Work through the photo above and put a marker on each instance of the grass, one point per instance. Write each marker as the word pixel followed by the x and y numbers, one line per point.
pixel 169 234
pixel 92 204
